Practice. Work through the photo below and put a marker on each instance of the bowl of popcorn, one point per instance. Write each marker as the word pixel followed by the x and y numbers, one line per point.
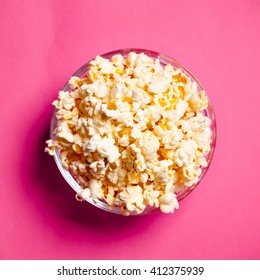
pixel 133 132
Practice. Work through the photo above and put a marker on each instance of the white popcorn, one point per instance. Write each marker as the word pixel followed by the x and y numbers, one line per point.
pixel 79 166
pixel 118 90
pixel 199 101
pixel 190 89
pixel 142 115
pixel 135 132
pixel 168 202
pixel 154 114
pixel 97 88
pixel 144 60
pixel 106 148
pixel 139 164
pixel 95 189
pixel 112 176
pixel 114 114
pixel 123 106
pixel 137 97
pixel 159 132
pixel 161 177
pixel 176 114
pixel 149 143
pixel 143 178
pixel 132 132
pixel 132 56
pixel 181 158
pixel 84 194
pixel 117 60
pixel 172 138
pixel 98 167
pixel 151 196
pixel 124 141
pixel 157 66
pixel 189 147
pixel 110 198
pixel 65 101
pixel 121 174
pixel 106 67
pixel 64 132
pixel 102 127
pixel 74 82
pixel 126 118
pixel 133 198
pixel 202 162
pixel 134 149
pixel 157 86
pixel 203 139
pixel 189 172
pixel 50 147
pixel 174 177
pixel 93 143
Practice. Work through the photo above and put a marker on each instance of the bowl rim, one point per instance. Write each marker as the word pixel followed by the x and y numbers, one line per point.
pixel 209 112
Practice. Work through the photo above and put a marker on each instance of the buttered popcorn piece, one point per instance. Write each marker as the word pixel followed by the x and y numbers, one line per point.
pixel 132 132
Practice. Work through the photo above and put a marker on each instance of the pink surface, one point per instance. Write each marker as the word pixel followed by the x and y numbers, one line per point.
pixel 43 43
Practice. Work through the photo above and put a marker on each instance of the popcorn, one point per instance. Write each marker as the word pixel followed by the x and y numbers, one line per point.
pixel 118 60
pixel 114 114
pixel 74 82
pixel 50 147
pixel 84 194
pixel 133 198
pixel 139 164
pixel 98 167
pixel 107 149
pixel 95 188
pixel 199 101
pixel 135 132
pixel 144 177
pixel 132 132
pixel 110 198
pixel 168 202
pixel 113 177
pixel 97 88
pixel 65 101
pixel 149 144
pixel 123 141
pixel 126 118
pixel 172 138
pixel 189 172
pixel 64 133
pixel 181 158
pixel 132 56
pixel 106 67
pixel 151 196
pixel 93 142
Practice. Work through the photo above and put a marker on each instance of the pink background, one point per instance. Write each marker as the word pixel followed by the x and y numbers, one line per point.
pixel 43 43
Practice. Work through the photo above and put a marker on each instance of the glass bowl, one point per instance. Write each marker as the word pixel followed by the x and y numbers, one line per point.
pixel 209 112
